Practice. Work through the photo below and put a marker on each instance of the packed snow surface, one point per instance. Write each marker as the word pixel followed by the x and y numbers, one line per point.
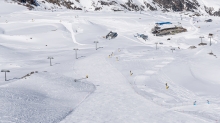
pixel 127 75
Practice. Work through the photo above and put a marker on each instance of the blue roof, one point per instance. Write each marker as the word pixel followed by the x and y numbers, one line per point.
pixel 162 23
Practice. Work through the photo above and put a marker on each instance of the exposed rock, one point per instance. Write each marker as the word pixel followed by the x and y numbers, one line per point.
pixel 192 47
pixel 217 13
pixel 108 3
pixel 149 6
pixel 132 5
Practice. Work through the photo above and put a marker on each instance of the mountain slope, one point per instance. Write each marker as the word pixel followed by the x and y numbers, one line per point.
pixel 200 6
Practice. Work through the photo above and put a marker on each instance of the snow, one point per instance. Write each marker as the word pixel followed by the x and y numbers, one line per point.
pixel 13 8
pixel 110 93
pixel 211 3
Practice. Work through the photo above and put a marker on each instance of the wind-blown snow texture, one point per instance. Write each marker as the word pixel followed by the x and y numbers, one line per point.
pixel 110 94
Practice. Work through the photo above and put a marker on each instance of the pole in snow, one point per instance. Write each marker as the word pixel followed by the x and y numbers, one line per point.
pixel 201 38
pixel 210 36
pixel 5 73
pixel 172 49
pixel 76 51
pixel 96 44
pixel 156 45
pixel 50 60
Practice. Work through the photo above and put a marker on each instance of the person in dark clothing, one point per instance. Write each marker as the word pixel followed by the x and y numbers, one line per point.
pixel 194 103
pixel 208 101
pixel 167 87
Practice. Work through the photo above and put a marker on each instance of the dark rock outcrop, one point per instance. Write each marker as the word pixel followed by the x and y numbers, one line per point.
pixel 174 5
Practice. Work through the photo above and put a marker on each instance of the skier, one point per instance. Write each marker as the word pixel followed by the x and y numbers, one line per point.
pixel 131 73
pixel 194 103
pixel 167 87
pixel 208 101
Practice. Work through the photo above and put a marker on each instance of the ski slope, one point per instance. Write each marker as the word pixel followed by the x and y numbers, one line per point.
pixel 111 93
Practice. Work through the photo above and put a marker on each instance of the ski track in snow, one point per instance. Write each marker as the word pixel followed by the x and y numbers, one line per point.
pixel 106 102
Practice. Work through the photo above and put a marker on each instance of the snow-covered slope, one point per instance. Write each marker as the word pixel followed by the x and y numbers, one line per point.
pixel 210 3
pixel 10 8
pixel 127 76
